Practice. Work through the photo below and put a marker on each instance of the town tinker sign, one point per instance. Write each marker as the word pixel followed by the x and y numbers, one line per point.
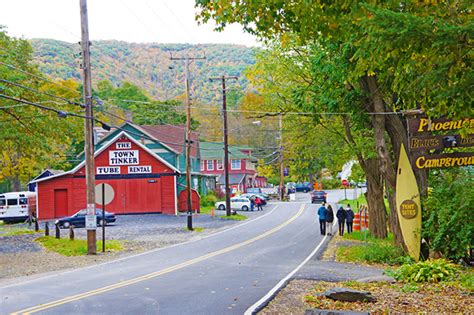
pixel 124 157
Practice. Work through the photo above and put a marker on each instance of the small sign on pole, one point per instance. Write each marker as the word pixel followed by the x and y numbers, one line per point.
pixel 91 218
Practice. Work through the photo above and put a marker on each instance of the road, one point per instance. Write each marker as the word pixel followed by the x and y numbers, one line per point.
pixel 224 273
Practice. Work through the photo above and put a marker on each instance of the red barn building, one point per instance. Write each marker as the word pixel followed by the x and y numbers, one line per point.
pixel 142 181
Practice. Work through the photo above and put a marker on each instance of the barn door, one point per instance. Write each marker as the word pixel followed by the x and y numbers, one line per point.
pixel 60 203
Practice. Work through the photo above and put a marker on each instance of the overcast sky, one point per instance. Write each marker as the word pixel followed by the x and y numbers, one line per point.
pixel 161 21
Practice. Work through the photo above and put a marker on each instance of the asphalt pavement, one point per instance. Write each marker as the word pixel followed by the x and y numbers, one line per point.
pixel 224 273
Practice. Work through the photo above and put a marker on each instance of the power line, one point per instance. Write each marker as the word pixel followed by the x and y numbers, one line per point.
pixel 38 77
pixel 12 106
pixel 43 93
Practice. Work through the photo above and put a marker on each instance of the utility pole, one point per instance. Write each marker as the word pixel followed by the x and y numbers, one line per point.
pixel 226 142
pixel 187 61
pixel 88 128
pixel 282 169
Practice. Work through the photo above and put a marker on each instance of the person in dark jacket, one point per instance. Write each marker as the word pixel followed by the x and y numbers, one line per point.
pixel 322 218
pixel 349 218
pixel 329 219
pixel 341 220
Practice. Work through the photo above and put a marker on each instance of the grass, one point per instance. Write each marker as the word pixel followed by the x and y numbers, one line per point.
pixel 206 209
pixel 355 203
pixel 69 247
pixel 372 250
pixel 195 229
pixel 236 217
pixel 16 231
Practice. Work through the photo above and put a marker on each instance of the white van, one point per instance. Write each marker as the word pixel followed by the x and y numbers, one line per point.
pixel 17 206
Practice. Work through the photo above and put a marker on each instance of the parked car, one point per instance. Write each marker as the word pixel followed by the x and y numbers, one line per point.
pixel 304 187
pixel 254 190
pixel 250 196
pixel 362 184
pixel 318 196
pixel 79 219
pixel 236 203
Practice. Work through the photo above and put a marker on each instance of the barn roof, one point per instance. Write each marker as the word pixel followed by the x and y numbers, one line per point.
pixel 99 151
pixel 173 136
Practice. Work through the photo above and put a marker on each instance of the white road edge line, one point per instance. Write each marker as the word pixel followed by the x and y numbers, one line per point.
pixel 251 310
pixel 60 273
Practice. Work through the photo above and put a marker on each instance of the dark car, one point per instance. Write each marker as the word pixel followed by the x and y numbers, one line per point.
pixel 318 196
pixel 304 187
pixel 257 191
pixel 79 219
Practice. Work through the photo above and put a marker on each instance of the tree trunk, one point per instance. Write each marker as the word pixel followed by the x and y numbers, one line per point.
pixel 377 211
pixel 15 183
pixel 374 196
pixel 387 166
pixel 397 130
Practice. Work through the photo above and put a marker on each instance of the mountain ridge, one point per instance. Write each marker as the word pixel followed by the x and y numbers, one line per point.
pixel 148 65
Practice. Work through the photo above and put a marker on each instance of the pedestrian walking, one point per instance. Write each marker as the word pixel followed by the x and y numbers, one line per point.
pixel 341 220
pixel 258 201
pixel 322 218
pixel 252 203
pixel 329 219
pixel 349 218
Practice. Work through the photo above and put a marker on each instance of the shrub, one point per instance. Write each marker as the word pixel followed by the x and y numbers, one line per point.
pixel 426 271
pixel 208 200
pixel 449 202
pixel 331 183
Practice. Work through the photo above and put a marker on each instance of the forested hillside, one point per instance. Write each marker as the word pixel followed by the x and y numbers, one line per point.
pixel 148 65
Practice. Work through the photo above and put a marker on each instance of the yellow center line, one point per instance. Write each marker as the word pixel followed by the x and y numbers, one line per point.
pixel 187 263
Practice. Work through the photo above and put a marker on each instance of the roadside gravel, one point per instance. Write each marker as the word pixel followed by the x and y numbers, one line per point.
pixel 21 256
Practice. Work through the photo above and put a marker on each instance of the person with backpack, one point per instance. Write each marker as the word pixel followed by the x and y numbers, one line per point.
pixel 258 202
pixel 349 218
pixel 322 218
pixel 329 219
pixel 341 220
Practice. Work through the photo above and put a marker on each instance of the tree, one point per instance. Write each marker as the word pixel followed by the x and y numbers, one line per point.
pixel 32 138
pixel 389 48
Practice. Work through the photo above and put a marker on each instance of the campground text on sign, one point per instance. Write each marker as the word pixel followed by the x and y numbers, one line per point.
pixel 444 160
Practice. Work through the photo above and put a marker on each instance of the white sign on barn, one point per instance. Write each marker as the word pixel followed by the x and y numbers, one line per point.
pixel 124 157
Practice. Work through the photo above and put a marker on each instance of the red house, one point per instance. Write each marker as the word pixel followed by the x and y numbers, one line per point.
pixel 142 181
pixel 242 166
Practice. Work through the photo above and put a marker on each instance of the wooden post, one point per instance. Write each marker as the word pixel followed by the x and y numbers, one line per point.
pixel 88 125
pixel 58 232
pixel 46 229
pixel 71 233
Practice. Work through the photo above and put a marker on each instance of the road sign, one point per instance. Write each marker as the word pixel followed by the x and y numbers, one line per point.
pixel 109 194
pixel 444 160
pixel 434 142
pixel 345 182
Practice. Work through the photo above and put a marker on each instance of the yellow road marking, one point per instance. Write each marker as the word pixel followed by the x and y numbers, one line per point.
pixel 121 284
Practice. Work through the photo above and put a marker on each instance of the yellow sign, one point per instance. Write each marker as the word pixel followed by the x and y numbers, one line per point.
pixel 408 209
pixel 408 205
